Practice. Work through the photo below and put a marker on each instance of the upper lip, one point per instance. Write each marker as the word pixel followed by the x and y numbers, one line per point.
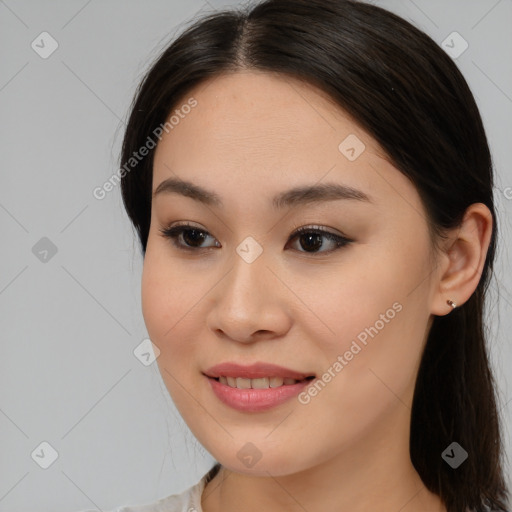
pixel 254 371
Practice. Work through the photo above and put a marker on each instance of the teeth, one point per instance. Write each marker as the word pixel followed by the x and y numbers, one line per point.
pixel 242 383
pixel 260 383
pixel 275 382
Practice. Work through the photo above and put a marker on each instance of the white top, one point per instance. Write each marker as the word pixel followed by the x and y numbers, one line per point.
pixel 187 501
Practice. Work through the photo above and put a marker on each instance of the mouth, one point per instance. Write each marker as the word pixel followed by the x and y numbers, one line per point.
pixel 256 375
pixel 257 387
pixel 259 383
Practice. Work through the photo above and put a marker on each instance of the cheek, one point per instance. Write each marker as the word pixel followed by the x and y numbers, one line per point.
pixel 154 299
pixel 163 303
pixel 169 306
pixel 376 325
pixel 166 293
pixel 162 309
pixel 344 303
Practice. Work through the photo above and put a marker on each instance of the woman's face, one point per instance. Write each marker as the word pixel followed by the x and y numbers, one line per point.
pixel 241 288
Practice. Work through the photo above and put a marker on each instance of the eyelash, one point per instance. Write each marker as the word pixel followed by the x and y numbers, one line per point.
pixel 174 232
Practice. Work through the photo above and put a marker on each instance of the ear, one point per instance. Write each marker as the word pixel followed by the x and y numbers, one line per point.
pixel 462 260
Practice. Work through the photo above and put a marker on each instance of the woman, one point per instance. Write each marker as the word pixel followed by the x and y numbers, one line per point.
pixel 312 190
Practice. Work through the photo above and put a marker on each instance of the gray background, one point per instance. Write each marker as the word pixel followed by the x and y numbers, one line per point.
pixel 70 323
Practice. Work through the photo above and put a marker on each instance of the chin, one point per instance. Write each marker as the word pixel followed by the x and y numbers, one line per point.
pixel 265 462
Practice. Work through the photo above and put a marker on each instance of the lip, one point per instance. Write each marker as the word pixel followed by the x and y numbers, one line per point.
pixel 254 371
pixel 255 400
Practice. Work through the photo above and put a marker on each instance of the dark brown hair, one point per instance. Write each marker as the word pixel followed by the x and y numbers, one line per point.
pixel 403 89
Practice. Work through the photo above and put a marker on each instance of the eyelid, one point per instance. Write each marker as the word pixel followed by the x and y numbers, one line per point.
pixel 317 227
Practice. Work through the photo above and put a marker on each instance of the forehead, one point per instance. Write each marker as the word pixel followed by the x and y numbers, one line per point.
pixel 252 132
pixel 257 110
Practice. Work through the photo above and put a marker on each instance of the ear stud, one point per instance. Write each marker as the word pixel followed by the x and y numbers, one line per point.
pixel 451 303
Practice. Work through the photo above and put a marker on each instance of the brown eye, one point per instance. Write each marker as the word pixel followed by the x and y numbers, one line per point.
pixel 187 237
pixel 313 239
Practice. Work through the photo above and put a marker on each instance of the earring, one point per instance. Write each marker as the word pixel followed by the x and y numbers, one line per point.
pixel 451 303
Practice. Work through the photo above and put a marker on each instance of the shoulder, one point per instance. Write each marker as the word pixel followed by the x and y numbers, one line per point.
pixel 188 500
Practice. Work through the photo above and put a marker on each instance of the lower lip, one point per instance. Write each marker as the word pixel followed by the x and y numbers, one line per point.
pixel 255 400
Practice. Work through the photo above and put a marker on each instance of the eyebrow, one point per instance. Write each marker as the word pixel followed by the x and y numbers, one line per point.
pixel 293 197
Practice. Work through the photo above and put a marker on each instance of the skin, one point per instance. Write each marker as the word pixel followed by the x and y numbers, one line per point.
pixel 252 135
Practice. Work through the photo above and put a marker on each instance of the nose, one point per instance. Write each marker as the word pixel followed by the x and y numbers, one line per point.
pixel 249 303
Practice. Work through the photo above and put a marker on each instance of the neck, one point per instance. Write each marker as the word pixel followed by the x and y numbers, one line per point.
pixel 373 473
